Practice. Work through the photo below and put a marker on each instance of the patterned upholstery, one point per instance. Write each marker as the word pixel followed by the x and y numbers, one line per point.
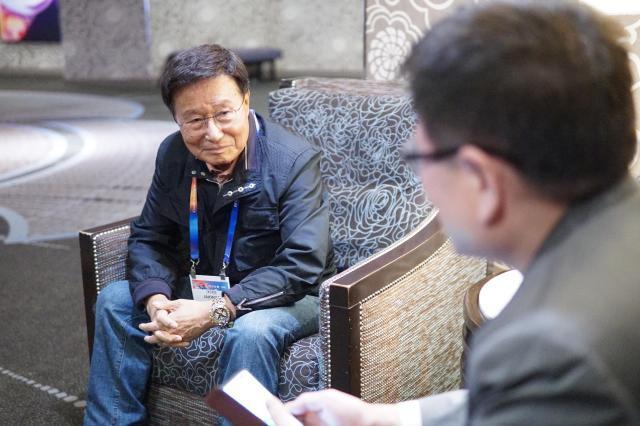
pixel 181 376
pixel 299 368
pixel 374 201
pixel 360 127
pixel 192 369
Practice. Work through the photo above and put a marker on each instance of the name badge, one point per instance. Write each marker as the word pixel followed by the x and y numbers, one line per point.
pixel 207 287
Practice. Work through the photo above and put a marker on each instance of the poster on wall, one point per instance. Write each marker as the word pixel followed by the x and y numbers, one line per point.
pixel 29 20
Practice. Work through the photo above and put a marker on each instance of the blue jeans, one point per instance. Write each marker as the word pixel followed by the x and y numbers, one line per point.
pixel 121 361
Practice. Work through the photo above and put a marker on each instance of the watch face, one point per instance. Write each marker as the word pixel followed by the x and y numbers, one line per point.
pixel 221 316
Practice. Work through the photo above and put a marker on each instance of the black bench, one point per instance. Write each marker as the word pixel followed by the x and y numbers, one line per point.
pixel 253 57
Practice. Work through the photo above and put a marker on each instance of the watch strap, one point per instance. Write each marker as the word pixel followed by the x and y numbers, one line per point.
pixel 217 304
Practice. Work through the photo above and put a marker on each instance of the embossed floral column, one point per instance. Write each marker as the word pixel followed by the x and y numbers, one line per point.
pixel 393 26
pixel 632 27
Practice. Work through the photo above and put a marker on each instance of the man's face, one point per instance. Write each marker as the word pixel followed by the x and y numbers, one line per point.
pixel 219 140
pixel 447 187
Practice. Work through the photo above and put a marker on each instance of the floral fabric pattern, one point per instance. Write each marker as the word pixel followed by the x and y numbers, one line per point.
pixel 392 27
pixel 193 368
pixel 374 198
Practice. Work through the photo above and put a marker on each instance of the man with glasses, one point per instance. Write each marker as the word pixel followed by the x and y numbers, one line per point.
pixel 234 234
pixel 525 135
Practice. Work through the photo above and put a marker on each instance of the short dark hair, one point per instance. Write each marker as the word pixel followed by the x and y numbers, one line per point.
pixel 544 84
pixel 197 63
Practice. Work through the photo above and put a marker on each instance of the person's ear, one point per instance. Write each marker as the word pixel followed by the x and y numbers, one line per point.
pixel 484 176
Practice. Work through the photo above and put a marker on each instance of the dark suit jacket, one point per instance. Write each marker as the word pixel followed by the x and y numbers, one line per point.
pixel 566 350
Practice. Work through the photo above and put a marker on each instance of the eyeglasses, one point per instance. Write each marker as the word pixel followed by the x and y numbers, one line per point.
pixel 221 119
pixel 414 158
pixel 431 156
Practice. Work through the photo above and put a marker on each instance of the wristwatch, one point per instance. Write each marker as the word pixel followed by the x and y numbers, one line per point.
pixel 219 313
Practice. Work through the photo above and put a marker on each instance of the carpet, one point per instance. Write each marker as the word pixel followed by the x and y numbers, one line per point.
pixel 85 173
pixel 26 105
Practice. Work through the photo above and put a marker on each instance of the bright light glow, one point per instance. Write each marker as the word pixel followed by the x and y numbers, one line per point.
pixel 615 7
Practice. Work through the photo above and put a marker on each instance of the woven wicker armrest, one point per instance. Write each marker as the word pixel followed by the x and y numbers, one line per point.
pixel 103 252
pixel 392 324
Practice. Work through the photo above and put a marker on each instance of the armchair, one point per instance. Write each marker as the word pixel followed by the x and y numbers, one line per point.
pixel 391 321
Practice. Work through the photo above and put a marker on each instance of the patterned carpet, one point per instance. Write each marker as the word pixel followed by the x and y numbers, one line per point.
pixel 25 105
pixel 86 173
pixel 68 161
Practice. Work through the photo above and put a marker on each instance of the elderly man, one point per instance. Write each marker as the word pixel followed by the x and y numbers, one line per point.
pixel 234 234
pixel 525 135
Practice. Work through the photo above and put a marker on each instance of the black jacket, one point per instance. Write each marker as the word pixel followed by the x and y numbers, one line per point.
pixel 281 249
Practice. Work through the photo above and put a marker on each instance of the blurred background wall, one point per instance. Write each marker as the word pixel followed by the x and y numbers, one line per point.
pixel 124 40
pixel 316 36
pixel 393 26
pixel 130 39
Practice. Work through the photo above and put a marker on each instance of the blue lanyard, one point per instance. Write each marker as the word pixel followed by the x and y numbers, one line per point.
pixel 193 227
pixel 193 230
pixel 233 221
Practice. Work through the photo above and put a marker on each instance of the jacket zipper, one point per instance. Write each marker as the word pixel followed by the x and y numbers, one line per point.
pixel 244 302
pixel 219 184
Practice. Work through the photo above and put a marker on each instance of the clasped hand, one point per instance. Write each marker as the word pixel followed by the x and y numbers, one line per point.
pixel 175 323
